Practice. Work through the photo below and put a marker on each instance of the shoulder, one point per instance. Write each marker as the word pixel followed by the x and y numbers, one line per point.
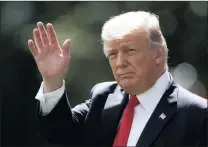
pixel 100 90
pixel 104 85
pixel 191 102
pixel 104 88
pixel 190 99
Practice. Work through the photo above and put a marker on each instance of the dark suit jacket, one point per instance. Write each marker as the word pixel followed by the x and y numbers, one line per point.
pixel 95 122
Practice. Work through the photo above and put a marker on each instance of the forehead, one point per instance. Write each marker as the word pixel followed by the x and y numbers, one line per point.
pixel 139 38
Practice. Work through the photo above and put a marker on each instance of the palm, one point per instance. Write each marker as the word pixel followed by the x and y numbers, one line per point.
pixel 52 64
pixel 51 59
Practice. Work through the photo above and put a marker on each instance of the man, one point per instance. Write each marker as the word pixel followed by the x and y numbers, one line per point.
pixel 143 107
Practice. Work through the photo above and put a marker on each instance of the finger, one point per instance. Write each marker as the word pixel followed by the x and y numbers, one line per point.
pixel 37 39
pixel 32 48
pixel 43 33
pixel 66 47
pixel 52 35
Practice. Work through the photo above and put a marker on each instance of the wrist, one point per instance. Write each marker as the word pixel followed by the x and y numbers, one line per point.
pixel 51 84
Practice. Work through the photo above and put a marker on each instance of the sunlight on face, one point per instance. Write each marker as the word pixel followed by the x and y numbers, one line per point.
pixel 132 62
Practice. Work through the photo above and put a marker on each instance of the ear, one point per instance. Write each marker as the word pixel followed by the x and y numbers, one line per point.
pixel 160 55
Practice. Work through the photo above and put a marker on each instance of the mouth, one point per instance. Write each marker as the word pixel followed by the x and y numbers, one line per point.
pixel 126 75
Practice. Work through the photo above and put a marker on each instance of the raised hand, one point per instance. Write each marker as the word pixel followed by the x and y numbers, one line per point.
pixel 52 60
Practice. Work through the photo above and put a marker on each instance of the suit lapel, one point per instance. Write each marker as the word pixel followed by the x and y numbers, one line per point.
pixel 165 109
pixel 113 110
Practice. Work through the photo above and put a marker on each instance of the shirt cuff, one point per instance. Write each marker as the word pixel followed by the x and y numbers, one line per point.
pixel 44 97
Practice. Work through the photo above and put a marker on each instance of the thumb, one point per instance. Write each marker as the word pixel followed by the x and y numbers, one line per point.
pixel 66 47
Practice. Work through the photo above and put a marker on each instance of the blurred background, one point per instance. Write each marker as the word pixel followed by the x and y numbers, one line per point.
pixel 184 25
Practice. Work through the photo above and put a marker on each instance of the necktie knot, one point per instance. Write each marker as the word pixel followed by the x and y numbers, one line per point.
pixel 133 101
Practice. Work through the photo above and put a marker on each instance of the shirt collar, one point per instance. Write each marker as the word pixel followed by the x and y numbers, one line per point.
pixel 150 98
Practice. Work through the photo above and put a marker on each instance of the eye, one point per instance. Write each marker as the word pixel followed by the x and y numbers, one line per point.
pixel 132 50
pixel 111 55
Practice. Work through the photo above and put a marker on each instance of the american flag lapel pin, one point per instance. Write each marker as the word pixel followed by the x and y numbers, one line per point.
pixel 162 116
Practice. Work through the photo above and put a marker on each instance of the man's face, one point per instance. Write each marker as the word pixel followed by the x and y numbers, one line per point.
pixel 132 62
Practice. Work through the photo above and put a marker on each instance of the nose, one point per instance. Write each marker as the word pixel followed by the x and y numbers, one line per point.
pixel 121 60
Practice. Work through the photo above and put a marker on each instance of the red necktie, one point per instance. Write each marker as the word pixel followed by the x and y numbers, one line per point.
pixel 126 122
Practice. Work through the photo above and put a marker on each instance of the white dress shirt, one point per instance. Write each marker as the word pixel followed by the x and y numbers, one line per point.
pixel 49 100
pixel 148 102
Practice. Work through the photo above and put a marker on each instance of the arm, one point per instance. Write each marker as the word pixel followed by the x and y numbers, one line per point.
pixel 203 137
pixel 49 100
pixel 61 124
pixel 64 125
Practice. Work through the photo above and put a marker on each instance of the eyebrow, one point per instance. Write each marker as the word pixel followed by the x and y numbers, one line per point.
pixel 110 50
pixel 128 46
pixel 123 46
pixel 132 43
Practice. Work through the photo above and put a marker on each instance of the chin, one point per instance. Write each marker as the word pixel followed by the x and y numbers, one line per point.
pixel 127 84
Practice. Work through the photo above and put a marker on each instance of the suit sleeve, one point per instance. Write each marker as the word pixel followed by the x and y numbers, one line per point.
pixel 64 125
pixel 203 137
pixel 49 100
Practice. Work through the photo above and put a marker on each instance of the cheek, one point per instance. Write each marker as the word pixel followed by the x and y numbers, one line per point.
pixel 113 67
pixel 141 65
pixel 139 61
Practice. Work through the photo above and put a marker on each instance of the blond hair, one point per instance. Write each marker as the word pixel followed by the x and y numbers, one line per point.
pixel 127 23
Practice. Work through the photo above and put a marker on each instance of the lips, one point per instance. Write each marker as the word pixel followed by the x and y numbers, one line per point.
pixel 124 75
